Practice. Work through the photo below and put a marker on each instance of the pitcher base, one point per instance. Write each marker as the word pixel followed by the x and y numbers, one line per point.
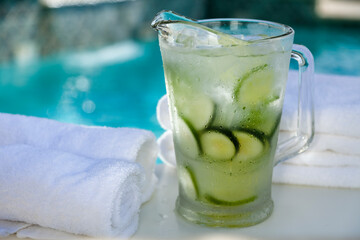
pixel 227 218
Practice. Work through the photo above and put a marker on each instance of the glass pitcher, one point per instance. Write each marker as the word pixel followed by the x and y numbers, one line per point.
pixel 225 81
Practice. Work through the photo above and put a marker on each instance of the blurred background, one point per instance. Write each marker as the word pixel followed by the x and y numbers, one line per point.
pixel 97 62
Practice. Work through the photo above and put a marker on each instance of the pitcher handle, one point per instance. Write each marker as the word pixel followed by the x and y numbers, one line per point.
pixel 305 111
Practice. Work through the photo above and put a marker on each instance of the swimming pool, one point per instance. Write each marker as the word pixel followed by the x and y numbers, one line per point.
pixel 115 86
pixel 119 85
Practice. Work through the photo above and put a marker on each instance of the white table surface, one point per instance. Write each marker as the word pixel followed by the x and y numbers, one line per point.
pixel 300 213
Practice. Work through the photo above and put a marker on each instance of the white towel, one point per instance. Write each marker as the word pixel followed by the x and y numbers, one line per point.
pixel 326 169
pixel 134 145
pixel 334 156
pixel 9 227
pixel 40 233
pixel 162 113
pixel 166 149
pixel 337 105
pixel 122 144
pixel 69 192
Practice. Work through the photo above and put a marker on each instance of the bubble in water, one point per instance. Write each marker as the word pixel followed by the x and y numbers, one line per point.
pixel 88 106
pixel 82 84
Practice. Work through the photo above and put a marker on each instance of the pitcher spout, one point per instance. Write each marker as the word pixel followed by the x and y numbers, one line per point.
pixel 176 29
pixel 166 17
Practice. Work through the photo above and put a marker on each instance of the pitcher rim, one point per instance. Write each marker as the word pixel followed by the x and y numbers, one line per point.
pixel 289 30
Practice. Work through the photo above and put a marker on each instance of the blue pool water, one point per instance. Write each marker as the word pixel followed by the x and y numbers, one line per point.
pixel 119 85
pixel 115 86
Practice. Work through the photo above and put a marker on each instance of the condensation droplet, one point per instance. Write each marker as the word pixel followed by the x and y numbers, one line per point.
pixel 163 216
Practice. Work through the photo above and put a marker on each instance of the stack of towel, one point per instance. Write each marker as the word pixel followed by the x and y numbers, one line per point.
pixel 333 159
pixel 76 179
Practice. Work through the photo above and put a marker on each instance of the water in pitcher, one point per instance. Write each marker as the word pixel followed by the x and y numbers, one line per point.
pixel 225 94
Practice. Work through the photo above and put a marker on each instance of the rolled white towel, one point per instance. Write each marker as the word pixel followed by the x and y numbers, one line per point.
pixel 9 227
pixel 131 144
pixel 334 157
pixel 69 192
pixel 166 148
pixel 40 233
pixel 163 114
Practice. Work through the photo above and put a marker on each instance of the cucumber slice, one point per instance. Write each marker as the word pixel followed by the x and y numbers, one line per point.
pixel 263 119
pixel 188 182
pixel 257 86
pixel 186 138
pixel 217 201
pixel 197 108
pixel 229 181
pixel 252 145
pixel 219 144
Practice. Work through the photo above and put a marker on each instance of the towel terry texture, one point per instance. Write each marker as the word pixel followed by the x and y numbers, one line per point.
pixel 73 178
pixel 69 192
pixel 333 159
pixel 134 145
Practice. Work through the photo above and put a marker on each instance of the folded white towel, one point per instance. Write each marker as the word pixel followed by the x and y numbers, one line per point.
pixel 69 192
pixel 325 169
pixel 131 144
pixel 330 142
pixel 337 105
pixel 334 156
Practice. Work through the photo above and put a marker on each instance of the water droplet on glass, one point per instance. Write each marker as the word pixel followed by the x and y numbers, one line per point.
pixel 163 216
